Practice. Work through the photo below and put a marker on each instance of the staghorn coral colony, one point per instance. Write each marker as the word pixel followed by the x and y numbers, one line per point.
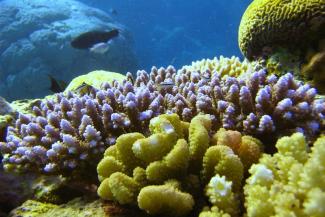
pixel 67 134
pixel 217 138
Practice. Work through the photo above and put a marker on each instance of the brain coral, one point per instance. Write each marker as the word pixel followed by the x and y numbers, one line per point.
pixel 281 23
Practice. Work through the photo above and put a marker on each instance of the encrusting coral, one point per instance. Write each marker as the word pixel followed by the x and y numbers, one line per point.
pixel 94 79
pixel 270 24
pixel 164 172
pixel 68 134
pixel 289 183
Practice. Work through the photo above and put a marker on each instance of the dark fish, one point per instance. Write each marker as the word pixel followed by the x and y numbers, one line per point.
pixel 57 86
pixel 89 39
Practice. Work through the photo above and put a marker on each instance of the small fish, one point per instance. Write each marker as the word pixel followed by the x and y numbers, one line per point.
pixel 165 85
pixel 206 77
pixel 94 39
pixel 84 88
pixel 57 86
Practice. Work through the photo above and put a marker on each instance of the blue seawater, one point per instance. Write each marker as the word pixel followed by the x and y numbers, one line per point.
pixel 178 32
pixel 36 36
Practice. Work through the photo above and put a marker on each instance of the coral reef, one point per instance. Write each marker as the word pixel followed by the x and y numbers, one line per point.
pixel 164 172
pixel 68 133
pixel 269 24
pixel 224 66
pixel 199 141
pixel 289 183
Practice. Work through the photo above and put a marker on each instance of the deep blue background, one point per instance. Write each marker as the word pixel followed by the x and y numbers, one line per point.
pixel 178 31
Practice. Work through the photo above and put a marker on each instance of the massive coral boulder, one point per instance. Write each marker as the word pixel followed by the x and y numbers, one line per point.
pixel 35 41
pixel 281 23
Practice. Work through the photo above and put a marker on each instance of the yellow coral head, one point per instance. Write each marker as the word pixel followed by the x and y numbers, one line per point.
pixel 281 23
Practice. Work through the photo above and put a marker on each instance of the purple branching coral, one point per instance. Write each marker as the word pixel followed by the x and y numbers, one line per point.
pixel 68 134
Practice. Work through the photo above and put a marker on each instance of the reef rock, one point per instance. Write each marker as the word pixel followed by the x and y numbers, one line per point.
pixel 35 41
pixel 77 207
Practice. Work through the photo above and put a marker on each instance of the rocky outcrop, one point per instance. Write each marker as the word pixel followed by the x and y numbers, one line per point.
pixel 35 38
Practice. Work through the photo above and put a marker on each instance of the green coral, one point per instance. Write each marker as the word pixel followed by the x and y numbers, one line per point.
pixel 33 208
pixel 80 207
pixel 95 79
pixel 289 183
pixel 269 24
pixel 172 164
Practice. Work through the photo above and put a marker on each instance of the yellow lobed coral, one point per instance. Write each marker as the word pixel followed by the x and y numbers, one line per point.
pixel 171 201
pixel 268 24
pixel 199 139
pixel 247 148
pixel 222 160
pixel 289 183
pixel 225 66
pixel 172 165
